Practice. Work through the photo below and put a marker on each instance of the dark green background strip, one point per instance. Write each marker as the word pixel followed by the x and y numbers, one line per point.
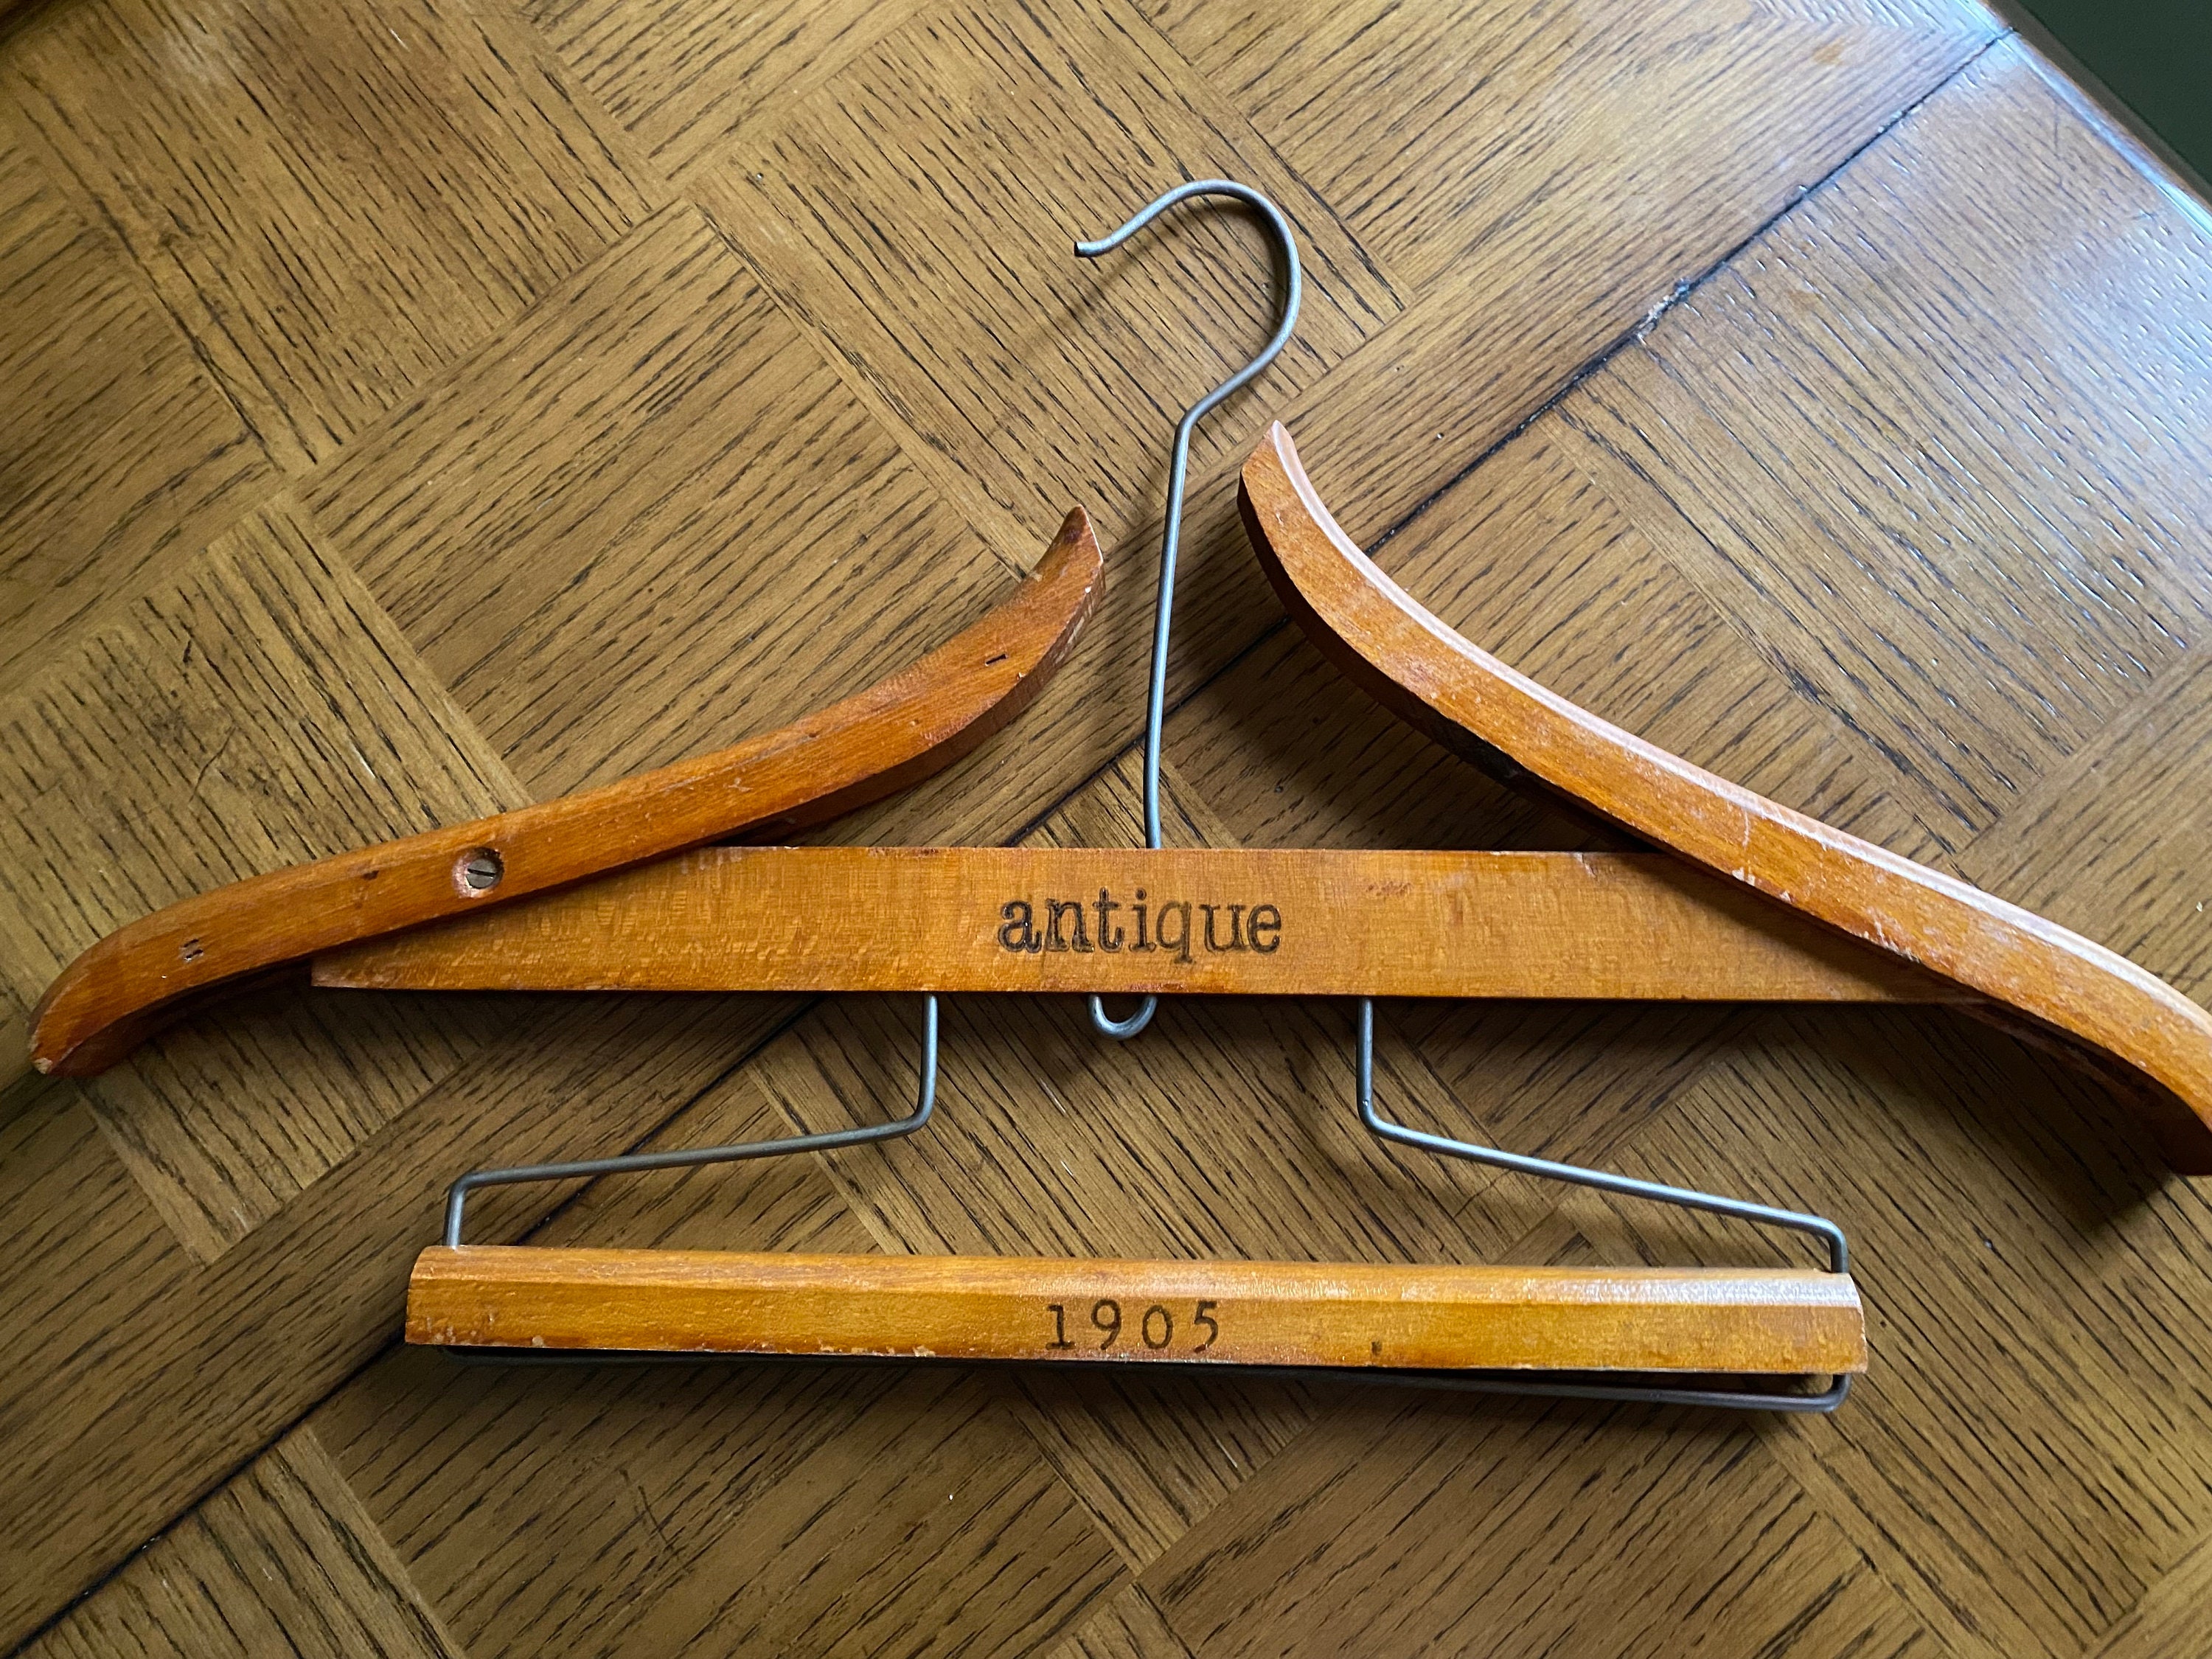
pixel 2155 55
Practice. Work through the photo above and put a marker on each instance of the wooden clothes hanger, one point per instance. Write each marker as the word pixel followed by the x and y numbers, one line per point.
pixel 1749 901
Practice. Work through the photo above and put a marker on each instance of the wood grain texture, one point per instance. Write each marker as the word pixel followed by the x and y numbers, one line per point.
pixel 1638 1534
pixel 1005 360
pixel 226 1355
pixel 2111 830
pixel 2010 1552
pixel 1103 1311
pixel 254 709
pixel 1226 923
pixel 1127 1627
pixel 1471 379
pixel 809 1469
pixel 1288 757
pixel 2169 1618
pixel 1370 628
pixel 682 80
pixel 869 745
pixel 1021 373
pixel 755 1523
pixel 1805 385
pixel 330 222
pixel 120 446
pixel 1804 541
pixel 654 435
pixel 1150 1454
pixel 282 1559
pixel 1456 194
pixel 1577 215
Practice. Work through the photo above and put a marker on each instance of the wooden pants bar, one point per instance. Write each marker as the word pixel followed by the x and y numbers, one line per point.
pixel 1275 922
pixel 1744 1322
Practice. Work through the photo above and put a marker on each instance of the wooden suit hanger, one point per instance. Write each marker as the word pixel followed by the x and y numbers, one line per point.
pixel 1761 920
pixel 1751 900
pixel 1028 919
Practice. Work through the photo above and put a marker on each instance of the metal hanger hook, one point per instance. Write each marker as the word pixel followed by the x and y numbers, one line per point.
pixel 1278 232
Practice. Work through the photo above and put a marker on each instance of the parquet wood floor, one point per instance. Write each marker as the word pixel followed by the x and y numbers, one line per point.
pixel 412 408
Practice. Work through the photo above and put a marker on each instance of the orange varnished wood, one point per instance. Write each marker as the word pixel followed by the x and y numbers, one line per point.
pixel 1384 639
pixel 858 750
pixel 1265 922
pixel 1747 1320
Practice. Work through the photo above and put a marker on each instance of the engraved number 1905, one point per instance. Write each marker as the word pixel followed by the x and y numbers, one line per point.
pixel 1156 1327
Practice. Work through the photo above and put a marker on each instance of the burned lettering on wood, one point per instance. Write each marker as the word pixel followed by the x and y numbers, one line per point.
pixel 1181 928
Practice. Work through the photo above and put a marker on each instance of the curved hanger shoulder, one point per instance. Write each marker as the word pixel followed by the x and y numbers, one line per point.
pixel 868 746
pixel 1428 675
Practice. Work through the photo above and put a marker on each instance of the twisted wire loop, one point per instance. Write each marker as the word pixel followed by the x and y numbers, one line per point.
pixel 1278 232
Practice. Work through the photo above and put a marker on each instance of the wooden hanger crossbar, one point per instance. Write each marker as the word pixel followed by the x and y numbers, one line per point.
pixel 618 889
pixel 1208 921
pixel 1683 1336
pixel 1753 1323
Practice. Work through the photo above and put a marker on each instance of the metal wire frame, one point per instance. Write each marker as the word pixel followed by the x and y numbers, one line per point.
pixel 1286 247
pixel 1626 1186
pixel 1382 1128
pixel 829 1140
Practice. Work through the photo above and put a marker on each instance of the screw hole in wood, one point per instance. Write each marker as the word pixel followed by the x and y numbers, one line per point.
pixel 478 871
